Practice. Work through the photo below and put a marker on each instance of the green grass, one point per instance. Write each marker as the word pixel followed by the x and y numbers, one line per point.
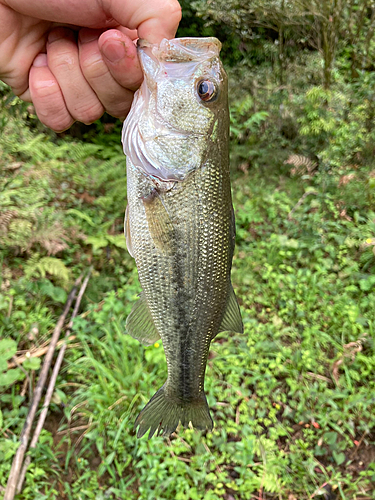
pixel 293 398
pixel 285 421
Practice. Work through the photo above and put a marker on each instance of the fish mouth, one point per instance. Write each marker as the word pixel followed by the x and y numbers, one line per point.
pixel 188 49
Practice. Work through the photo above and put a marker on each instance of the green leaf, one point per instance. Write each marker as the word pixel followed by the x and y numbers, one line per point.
pixel 97 242
pixel 3 365
pixel 11 376
pixel 32 363
pixel 56 293
pixel 7 449
pixel 118 240
pixel 81 215
pixel 339 457
pixel 59 295
pixel 8 348
pixel 109 459
pixel 367 284
pixel 39 267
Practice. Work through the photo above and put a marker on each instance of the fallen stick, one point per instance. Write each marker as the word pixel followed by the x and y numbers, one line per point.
pixel 25 434
pixel 300 201
pixel 52 382
pixel 36 353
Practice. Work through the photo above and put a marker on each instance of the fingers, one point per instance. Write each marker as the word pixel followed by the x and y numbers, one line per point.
pixel 110 65
pixel 58 89
pixel 47 97
pixel 81 82
pixel 120 55
pixel 153 19
pixel 76 82
pixel 63 61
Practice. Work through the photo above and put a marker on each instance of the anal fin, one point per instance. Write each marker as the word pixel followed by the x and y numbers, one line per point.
pixel 232 321
pixel 140 324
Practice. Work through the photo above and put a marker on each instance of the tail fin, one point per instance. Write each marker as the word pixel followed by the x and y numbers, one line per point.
pixel 163 414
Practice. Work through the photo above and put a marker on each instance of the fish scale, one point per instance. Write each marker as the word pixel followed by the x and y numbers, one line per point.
pixel 180 228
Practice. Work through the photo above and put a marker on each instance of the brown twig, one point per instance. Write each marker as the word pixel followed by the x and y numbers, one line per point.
pixel 25 434
pixel 299 203
pixel 351 350
pixel 74 429
pixel 24 388
pixel 358 445
pixel 10 306
pixel 218 469
pixel 26 375
pixel 182 459
pixel 52 382
pixel 35 353
pixel 319 377
pixel 317 492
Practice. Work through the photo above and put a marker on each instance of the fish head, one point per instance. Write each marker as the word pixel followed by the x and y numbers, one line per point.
pixel 180 110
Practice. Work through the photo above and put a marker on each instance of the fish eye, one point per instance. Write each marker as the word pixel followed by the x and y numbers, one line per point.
pixel 207 90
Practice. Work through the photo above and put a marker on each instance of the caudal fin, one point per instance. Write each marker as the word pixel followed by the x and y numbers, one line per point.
pixel 163 414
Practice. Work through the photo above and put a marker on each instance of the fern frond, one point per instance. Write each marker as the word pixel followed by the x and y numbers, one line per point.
pixel 37 267
pixel 302 164
pixel 5 219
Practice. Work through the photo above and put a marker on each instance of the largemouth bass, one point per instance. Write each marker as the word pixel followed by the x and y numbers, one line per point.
pixel 179 223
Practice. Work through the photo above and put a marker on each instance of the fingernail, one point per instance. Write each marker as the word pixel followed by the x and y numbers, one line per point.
pixel 114 51
pixel 40 61
pixel 87 35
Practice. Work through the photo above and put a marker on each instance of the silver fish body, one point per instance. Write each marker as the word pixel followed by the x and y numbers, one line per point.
pixel 179 222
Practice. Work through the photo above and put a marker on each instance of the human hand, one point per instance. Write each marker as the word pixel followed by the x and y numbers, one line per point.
pixel 75 60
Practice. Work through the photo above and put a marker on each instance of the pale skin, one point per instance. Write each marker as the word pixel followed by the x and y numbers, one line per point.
pixel 76 59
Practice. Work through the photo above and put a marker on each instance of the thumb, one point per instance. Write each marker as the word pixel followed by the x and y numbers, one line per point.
pixel 153 19
pixel 120 55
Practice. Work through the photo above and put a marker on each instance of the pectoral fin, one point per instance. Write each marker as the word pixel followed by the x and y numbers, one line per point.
pixel 140 324
pixel 159 222
pixel 232 320
pixel 127 232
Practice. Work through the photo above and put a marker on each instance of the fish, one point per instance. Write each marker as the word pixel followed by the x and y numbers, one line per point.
pixel 179 222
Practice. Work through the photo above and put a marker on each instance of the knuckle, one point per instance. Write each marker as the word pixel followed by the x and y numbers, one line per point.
pixel 119 111
pixel 51 111
pixel 63 125
pixel 88 113
pixel 93 67
pixel 45 89
pixel 63 61
pixel 174 10
pixel 59 122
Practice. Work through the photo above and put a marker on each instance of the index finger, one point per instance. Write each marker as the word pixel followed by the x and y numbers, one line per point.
pixel 153 19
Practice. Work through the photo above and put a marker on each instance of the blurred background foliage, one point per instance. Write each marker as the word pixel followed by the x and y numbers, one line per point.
pixel 293 398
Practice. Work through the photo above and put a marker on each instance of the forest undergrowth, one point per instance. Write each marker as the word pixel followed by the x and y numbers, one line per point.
pixel 293 398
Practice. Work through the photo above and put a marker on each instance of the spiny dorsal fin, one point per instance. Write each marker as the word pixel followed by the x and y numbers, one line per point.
pixel 140 324
pixel 232 321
